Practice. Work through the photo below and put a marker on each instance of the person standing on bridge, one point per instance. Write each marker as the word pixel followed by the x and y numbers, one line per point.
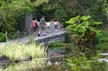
pixel 48 27
pixel 43 26
pixel 34 25
pixel 56 23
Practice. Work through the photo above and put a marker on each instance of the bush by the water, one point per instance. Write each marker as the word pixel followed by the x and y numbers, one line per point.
pixel 2 37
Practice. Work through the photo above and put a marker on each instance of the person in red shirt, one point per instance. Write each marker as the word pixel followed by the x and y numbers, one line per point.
pixel 34 24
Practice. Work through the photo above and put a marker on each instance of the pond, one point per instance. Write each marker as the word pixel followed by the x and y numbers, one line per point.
pixel 61 57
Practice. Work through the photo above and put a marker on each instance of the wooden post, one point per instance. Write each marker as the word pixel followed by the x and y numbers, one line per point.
pixel 28 23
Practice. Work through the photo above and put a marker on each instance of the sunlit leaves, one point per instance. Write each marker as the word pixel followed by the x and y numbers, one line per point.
pixel 72 27
pixel 81 24
pixel 39 2
pixel 73 20
pixel 85 18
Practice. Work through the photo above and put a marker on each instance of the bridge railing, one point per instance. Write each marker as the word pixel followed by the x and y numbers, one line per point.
pixel 19 34
pixel 14 35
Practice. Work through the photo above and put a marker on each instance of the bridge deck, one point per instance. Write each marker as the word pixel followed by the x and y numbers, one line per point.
pixel 51 35
pixel 40 38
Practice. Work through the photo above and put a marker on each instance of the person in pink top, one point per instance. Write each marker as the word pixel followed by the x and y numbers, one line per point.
pixel 56 23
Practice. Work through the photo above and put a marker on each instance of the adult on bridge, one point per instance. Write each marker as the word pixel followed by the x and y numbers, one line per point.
pixel 42 28
pixel 34 25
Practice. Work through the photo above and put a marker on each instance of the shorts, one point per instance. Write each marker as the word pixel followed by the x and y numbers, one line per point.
pixel 34 29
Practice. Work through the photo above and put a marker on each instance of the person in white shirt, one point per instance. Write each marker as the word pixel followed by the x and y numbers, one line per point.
pixel 48 26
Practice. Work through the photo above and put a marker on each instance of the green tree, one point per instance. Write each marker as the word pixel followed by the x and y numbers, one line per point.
pixel 12 11
pixel 66 9
pixel 85 32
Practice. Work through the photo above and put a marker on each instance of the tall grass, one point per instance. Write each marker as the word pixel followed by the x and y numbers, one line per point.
pixel 20 51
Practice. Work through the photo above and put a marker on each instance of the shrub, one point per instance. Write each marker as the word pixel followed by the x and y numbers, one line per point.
pixel 2 37
pixel 12 35
pixel 78 62
pixel 68 37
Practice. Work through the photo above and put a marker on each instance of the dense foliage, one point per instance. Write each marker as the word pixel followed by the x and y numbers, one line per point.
pixel 86 32
pixel 12 13
pixel 2 37
pixel 65 9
